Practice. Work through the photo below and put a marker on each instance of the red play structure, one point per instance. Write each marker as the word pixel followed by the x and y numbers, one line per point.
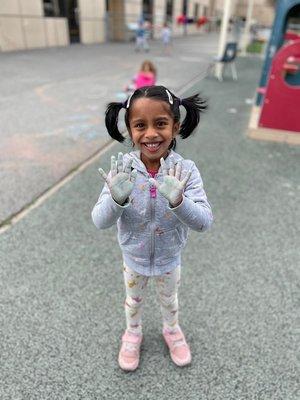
pixel 281 105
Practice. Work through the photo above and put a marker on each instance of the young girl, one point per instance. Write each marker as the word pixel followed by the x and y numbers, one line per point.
pixel 154 196
pixel 145 77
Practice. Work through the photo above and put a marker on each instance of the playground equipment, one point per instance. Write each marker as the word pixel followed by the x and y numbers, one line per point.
pixel 285 10
pixel 280 109
pixel 278 100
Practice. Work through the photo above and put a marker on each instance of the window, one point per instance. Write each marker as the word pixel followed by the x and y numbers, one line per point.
pixel 51 8
pixel 184 7
pixel 169 9
pixel 196 11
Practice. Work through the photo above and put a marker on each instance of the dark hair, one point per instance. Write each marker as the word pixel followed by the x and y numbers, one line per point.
pixel 194 106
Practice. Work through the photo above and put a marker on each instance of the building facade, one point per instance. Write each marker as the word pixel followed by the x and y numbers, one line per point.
pixel 28 24
pixel 263 10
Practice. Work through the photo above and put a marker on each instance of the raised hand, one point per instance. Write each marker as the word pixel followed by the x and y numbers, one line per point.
pixel 121 180
pixel 172 187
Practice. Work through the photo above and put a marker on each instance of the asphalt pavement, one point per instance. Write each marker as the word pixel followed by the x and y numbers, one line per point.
pixel 61 288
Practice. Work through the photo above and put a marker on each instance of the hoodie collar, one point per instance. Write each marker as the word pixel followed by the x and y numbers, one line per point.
pixel 140 166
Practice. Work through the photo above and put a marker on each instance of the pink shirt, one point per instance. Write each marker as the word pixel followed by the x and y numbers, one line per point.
pixel 144 79
pixel 152 188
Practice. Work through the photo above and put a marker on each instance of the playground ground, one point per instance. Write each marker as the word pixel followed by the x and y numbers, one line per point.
pixel 61 289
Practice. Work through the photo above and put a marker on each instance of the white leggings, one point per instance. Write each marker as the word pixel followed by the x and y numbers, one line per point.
pixel 167 288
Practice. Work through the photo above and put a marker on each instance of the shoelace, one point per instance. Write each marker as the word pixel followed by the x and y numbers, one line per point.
pixel 178 342
pixel 131 347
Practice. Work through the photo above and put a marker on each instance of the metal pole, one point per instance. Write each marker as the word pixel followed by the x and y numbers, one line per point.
pixel 223 38
pixel 246 34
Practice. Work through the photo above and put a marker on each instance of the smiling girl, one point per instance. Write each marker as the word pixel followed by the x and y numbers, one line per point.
pixel 154 196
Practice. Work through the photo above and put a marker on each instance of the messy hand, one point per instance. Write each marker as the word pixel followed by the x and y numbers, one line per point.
pixel 172 187
pixel 122 179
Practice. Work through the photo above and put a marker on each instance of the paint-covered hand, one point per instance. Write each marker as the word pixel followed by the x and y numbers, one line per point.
pixel 172 187
pixel 121 180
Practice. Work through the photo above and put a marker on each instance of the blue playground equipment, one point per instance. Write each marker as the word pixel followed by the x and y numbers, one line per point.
pixel 285 10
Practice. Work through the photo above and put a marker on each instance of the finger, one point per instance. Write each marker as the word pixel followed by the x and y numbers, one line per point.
pixel 127 168
pixel 133 176
pixel 154 182
pixel 186 178
pixel 103 174
pixel 172 166
pixel 113 166
pixel 178 170
pixel 164 167
pixel 120 162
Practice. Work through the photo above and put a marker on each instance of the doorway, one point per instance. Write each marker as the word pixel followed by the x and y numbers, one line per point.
pixel 66 9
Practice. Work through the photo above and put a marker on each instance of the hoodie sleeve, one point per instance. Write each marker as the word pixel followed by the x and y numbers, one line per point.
pixel 106 211
pixel 194 211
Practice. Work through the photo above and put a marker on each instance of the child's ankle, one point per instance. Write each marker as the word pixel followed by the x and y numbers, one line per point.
pixel 135 331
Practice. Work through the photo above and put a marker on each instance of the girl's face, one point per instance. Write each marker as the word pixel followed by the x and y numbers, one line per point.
pixel 152 129
pixel 146 68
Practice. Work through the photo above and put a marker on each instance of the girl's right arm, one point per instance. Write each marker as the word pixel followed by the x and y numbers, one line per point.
pixel 106 211
pixel 114 197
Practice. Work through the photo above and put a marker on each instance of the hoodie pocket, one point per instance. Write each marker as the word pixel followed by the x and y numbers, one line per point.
pixel 167 243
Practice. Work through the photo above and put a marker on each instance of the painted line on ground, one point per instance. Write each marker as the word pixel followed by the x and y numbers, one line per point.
pixel 53 189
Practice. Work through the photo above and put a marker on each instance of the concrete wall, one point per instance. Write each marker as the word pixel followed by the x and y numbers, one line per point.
pixel 23 26
pixel 133 10
pixel 263 12
pixel 159 16
pixel 92 21
pixel 177 30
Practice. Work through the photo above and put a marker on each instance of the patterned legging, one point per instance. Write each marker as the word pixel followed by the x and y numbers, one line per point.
pixel 167 288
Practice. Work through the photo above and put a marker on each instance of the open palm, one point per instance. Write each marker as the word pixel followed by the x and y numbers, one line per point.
pixel 172 187
pixel 121 180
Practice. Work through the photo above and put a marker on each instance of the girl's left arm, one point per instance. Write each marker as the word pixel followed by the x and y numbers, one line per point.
pixel 194 210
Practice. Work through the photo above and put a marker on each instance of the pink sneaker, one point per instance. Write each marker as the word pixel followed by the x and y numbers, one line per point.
pixel 129 355
pixel 179 349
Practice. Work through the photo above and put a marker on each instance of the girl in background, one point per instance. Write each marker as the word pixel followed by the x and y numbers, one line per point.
pixel 145 77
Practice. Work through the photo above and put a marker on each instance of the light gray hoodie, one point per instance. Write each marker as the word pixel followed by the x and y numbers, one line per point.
pixel 151 234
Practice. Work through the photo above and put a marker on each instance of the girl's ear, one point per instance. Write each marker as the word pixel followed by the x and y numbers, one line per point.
pixel 176 127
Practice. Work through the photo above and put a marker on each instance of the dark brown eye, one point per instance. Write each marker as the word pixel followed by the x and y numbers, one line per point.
pixel 161 123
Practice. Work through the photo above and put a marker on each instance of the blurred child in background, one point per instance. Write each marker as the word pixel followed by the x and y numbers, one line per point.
pixel 166 38
pixel 142 36
pixel 145 77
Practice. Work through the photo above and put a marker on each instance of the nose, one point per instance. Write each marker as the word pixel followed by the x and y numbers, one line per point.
pixel 151 133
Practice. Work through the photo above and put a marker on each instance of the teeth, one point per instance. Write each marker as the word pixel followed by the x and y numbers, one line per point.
pixel 152 144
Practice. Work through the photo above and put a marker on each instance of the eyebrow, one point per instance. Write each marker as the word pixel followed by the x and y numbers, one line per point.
pixel 156 119
pixel 165 118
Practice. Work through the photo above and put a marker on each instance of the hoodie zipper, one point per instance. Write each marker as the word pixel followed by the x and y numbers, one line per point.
pixel 152 233
pixel 152 227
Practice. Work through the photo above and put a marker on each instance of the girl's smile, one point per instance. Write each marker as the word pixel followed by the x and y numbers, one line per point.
pixel 152 130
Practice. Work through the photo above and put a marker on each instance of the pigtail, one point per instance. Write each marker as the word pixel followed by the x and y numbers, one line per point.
pixel 194 106
pixel 111 120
